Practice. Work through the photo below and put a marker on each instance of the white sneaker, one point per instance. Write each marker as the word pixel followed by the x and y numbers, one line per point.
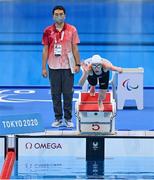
pixel 57 123
pixel 69 123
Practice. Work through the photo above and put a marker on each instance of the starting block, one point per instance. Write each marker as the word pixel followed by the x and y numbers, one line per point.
pixel 90 119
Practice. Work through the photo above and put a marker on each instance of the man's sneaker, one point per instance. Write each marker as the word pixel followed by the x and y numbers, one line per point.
pixel 69 123
pixel 57 123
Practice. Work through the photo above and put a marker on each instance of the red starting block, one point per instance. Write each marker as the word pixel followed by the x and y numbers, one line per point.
pixel 86 98
pixel 90 103
pixel 91 119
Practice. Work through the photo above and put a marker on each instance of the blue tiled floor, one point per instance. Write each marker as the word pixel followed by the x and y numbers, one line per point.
pixel 34 100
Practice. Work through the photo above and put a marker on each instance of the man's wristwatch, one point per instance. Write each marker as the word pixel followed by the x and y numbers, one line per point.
pixel 78 65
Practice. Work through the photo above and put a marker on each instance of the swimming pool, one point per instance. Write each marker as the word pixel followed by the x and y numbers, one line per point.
pixel 76 168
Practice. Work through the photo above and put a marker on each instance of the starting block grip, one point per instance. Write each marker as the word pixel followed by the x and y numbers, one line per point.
pixel 94 107
pixel 86 98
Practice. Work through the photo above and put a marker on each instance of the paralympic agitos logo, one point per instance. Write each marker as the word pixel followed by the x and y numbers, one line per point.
pixel 51 146
pixel 127 84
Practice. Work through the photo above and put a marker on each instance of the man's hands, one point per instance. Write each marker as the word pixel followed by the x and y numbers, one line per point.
pixel 76 69
pixel 120 70
pixel 44 73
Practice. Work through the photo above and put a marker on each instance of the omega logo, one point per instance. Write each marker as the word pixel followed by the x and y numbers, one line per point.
pixel 43 146
pixel 28 145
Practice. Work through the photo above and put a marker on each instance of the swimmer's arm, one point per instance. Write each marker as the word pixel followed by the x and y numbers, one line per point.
pixel 83 78
pixel 86 68
pixel 110 66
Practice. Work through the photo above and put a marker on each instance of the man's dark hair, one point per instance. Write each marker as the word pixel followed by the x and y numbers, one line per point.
pixel 58 7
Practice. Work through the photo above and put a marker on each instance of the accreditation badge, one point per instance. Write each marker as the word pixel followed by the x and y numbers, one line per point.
pixel 57 49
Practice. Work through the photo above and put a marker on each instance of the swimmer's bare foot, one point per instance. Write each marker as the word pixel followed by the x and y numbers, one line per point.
pixel 92 91
pixel 100 105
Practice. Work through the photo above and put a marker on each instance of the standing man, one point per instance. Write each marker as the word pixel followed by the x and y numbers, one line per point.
pixel 60 45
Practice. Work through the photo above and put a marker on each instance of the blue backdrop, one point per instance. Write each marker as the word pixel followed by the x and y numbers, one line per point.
pixel 121 31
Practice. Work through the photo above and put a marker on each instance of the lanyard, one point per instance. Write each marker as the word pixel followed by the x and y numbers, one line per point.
pixel 61 37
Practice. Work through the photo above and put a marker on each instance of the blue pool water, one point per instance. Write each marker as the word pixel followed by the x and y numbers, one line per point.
pixel 50 167
pixel 78 168
pixel 129 168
